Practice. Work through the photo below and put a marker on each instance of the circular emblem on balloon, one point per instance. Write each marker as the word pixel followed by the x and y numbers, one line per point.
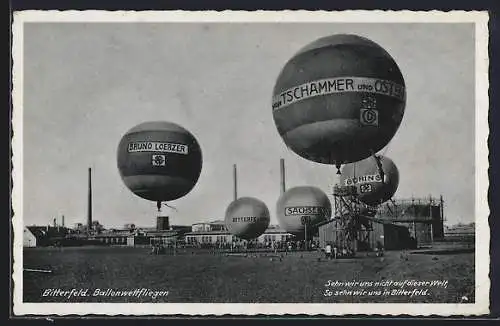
pixel 159 161
pixel 247 218
pixel 302 206
pixel 339 100
pixel 376 179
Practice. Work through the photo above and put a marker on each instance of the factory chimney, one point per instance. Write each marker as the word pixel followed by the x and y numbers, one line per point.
pixel 235 182
pixel 89 208
pixel 62 221
pixel 282 175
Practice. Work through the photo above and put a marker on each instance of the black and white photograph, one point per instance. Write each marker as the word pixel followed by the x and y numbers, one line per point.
pixel 209 163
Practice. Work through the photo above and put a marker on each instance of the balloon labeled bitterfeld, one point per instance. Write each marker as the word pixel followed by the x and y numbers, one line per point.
pixel 247 218
pixel 339 100
pixel 159 161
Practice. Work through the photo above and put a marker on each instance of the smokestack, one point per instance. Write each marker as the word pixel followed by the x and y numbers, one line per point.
pixel 282 174
pixel 235 182
pixel 89 208
pixel 62 221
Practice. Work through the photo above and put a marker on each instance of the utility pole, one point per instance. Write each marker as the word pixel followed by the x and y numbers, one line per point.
pixel 235 183
pixel 305 220
pixel 282 175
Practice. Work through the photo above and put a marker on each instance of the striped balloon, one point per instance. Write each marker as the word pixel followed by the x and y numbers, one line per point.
pixel 338 100
pixel 159 161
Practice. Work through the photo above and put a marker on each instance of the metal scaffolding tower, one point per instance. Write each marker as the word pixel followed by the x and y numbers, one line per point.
pixel 353 223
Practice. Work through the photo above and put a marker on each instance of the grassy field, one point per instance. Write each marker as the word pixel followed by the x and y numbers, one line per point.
pixel 204 277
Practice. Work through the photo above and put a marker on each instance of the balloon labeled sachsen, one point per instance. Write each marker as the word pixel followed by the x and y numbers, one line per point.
pixel 303 205
pixel 247 218
pixel 159 161
pixel 339 100
pixel 376 179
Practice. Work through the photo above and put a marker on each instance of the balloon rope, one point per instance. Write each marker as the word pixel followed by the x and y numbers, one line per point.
pixel 172 207
pixel 380 168
pixel 386 148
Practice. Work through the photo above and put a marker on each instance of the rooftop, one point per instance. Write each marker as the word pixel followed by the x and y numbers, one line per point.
pixel 217 222
pixel 225 232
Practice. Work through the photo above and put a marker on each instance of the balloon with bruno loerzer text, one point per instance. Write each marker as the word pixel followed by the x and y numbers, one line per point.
pixel 247 218
pixel 159 161
pixel 376 179
pixel 302 205
pixel 339 100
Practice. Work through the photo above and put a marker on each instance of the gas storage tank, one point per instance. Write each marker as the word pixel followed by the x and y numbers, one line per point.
pixel 247 218
pixel 159 160
pixel 339 99
pixel 303 205
pixel 376 179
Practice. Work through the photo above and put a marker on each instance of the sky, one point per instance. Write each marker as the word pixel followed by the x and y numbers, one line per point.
pixel 86 84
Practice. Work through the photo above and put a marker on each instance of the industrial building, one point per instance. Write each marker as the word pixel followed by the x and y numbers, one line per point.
pixel 217 225
pixel 40 236
pixel 397 224
pixel 199 233
pixel 424 217
pixel 130 235
pixel 29 239
pixel 388 235
pixel 216 233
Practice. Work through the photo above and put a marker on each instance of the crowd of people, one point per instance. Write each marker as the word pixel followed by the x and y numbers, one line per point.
pixel 241 246
pixel 248 245
pixel 332 251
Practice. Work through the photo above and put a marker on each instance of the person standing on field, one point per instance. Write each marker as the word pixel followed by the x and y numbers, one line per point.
pixel 328 251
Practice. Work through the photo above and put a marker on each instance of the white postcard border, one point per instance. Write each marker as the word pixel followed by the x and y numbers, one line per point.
pixel 482 259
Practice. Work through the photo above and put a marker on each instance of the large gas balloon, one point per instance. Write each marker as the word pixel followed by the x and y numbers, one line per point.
pixel 376 179
pixel 247 218
pixel 301 206
pixel 339 100
pixel 159 161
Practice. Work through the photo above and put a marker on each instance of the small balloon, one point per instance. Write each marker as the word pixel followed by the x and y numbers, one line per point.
pixel 247 218
pixel 376 179
pixel 302 207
